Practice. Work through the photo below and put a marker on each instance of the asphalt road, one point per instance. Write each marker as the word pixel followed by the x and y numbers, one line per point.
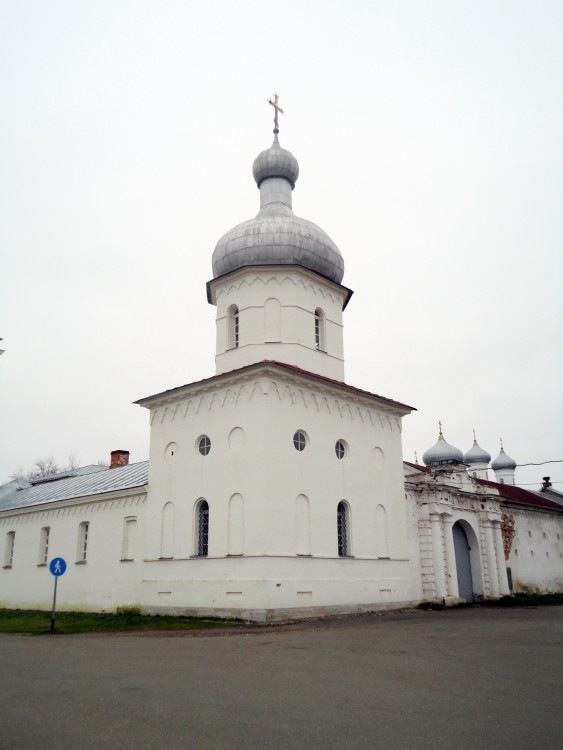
pixel 473 678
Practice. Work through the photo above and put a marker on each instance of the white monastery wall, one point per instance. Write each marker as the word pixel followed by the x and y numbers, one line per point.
pixel 101 582
pixel 536 554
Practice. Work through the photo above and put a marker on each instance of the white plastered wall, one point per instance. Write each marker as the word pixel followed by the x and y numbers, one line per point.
pixel 536 554
pixel 251 422
pixel 299 293
pixel 102 583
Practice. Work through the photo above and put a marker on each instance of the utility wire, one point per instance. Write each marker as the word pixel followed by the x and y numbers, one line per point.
pixel 541 463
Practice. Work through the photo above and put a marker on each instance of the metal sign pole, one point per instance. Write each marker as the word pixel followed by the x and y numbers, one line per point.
pixel 57 568
pixel 54 605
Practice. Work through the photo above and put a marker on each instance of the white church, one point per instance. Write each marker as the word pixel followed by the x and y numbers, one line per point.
pixel 275 489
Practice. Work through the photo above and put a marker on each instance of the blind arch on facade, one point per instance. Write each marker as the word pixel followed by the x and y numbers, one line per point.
pixel 167 530
pixel 236 525
pixel 381 543
pixel 272 320
pixel 302 525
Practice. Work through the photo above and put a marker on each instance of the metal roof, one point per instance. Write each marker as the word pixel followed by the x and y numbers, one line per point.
pixel 95 482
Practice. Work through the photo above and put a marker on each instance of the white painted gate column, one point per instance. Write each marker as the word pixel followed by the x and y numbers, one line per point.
pixel 437 556
pixel 491 557
pixel 451 568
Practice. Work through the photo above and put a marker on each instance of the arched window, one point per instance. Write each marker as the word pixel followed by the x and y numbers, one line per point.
pixel 320 343
pixel 232 327
pixel 9 551
pixel 82 541
pixel 202 528
pixel 343 528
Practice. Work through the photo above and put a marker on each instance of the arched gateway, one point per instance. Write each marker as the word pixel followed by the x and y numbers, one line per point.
pixel 463 562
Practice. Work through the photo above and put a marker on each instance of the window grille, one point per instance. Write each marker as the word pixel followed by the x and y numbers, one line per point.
pixel 203 529
pixel 342 527
pixel 340 449
pixel 233 327
pixel 204 445
pixel 320 330
pixel 44 545
pixel 82 541
pixel 299 441
pixel 9 552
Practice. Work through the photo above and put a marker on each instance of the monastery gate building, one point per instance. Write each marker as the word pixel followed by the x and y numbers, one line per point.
pixel 274 489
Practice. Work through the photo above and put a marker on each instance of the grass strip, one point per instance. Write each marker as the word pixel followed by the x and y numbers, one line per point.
pixel 39 622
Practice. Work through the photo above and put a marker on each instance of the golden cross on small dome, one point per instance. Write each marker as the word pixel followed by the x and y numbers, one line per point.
pixel 277 109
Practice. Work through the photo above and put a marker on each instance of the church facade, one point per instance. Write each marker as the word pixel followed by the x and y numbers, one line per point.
pixel 274 489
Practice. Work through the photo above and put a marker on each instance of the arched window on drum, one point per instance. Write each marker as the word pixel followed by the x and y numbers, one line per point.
pixel 320 338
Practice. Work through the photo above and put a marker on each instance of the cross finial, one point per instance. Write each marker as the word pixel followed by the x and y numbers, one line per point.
pixel 440 426
pixel 416 457
pixel 501 446
pixel 277 109
pixel 474 437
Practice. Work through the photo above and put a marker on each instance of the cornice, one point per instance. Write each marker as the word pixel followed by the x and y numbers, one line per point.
pixel 105 497
pixel 268 379
pixel 278 273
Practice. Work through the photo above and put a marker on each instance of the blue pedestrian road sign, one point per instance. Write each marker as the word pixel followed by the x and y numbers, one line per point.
pixel 57 566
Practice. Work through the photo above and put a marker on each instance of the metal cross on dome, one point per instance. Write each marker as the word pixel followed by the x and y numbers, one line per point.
pixel 277 109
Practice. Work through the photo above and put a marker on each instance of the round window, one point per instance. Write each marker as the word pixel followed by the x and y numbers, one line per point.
pixel 299 441
pixel 340 448
pixel 204 445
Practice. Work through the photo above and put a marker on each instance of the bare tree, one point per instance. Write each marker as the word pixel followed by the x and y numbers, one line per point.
pixel 72 462
pixel 45 467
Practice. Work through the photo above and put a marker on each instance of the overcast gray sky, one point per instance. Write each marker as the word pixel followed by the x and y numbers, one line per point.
pixel 429 138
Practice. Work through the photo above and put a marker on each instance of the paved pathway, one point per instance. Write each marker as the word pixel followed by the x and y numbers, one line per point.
pixel 474 678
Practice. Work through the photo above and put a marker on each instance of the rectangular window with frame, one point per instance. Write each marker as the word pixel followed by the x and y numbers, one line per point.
pixel 44 545
pixel 82 550
pixel 129 539
pixel 9 551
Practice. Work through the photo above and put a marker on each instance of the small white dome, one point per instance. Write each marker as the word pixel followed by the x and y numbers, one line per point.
pixel 442 453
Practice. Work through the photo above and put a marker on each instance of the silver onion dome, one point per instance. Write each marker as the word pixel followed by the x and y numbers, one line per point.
pixel 275 236
pixel 476 455
pixel 275 162
pixel 502 461
pixel 442 453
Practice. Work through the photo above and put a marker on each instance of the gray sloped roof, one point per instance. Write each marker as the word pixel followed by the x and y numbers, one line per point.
pixel 95 482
